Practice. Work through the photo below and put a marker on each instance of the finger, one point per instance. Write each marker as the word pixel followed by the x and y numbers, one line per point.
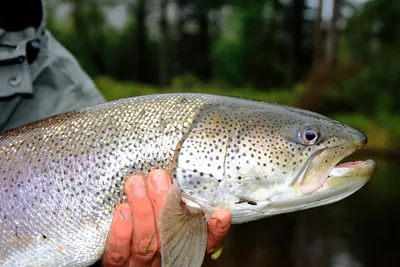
pixel 218 228
pixel 158 185
pixel 118 244
pixel 157 260
pixel 144 243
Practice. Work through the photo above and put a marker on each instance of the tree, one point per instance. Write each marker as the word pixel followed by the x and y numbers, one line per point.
pixel 332 36
pixel 164 51
pixel 140 72
pixel 318 32
pixel 88 21
pixel 296 22
pixel 325 55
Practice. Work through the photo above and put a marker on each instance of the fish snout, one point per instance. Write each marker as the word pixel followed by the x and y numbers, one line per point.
pixel 362 140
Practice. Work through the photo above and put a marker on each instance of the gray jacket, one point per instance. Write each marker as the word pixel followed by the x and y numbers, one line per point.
pixel 53 83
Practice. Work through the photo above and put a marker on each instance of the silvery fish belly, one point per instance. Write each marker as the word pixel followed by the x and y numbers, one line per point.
pixel 60 178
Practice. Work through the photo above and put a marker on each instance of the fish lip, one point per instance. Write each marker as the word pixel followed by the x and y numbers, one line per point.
pixel 348 166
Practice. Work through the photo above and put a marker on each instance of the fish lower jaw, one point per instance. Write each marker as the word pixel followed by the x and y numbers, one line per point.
pixel 333 190
pixel 353 167
pixel 342 181
pixel 342 175
pixel 322 166
pixel 291 202
pixel 345 179
pixel 346 174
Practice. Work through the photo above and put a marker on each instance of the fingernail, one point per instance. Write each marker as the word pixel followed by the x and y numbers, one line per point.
pixel 138 187
pixel 160 182
pixel 126 213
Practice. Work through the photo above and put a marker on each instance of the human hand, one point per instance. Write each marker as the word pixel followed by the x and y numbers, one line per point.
pixel 133 240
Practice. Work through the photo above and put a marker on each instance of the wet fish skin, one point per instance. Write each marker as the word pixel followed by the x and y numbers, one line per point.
pixel 257 160
pixel 252 153
pixel 61 178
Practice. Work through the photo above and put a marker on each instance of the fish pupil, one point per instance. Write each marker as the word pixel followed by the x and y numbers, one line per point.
pixel 310 136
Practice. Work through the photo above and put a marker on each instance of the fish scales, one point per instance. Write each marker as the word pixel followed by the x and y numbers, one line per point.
pixel 62 177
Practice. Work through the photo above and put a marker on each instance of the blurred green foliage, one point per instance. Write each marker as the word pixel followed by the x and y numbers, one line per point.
pixel 371 39
pixel 189 83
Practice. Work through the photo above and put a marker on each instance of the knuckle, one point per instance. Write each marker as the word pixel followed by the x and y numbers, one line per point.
pixel 115 258
pixel 144 252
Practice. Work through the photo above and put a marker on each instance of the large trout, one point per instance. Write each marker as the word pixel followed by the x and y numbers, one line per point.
pixel 61 177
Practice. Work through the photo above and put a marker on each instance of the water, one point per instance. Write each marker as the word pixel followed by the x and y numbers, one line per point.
pixel 359 231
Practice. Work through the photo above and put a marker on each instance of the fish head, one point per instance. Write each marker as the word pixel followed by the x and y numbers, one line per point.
pixel 282 159
pixel 261 159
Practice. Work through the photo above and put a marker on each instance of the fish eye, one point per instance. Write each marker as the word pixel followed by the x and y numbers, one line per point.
pixel 309 136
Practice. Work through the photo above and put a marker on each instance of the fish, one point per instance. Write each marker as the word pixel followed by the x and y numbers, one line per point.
pixel 62 177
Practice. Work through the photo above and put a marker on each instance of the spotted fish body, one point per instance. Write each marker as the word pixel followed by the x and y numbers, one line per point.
pixel 60 178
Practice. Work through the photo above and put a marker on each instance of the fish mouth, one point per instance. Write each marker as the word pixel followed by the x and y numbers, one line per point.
pixel 324 167
pixel 319 183
pixel 343 180
pixel 355 170
pixel 331 185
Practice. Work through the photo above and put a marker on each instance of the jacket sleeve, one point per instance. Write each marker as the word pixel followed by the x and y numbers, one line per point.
pixel 54 83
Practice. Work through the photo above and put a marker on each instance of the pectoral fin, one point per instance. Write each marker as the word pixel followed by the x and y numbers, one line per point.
pixel 183 233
